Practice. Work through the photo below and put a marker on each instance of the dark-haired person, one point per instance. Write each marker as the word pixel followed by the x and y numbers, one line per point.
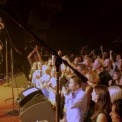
pixel 115 79
pixel 34 56
pixel 101 97
pixel 34 59
pixel 116 113
pixel 75 101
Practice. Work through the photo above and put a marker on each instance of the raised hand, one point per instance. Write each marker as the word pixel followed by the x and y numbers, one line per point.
pixel 101 48
pixel 110 52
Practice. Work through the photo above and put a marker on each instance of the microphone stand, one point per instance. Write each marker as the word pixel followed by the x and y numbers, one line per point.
pixel 58 94
pixel 59 60
pixel 7 77
pixel 7 62
pixel 13 112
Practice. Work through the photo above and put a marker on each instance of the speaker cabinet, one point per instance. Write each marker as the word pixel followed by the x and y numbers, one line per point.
pixel 19 81
pixel 27 95
pixel 38 108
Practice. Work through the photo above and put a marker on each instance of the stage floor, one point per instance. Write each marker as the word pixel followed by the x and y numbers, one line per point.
pixel 6 103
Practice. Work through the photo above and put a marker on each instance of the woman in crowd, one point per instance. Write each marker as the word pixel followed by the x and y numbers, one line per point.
pixel 93 80
pixel 115 79
pixel 101 97
pixel 116 113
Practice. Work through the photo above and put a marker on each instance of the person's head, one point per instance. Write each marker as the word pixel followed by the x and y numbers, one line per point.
pixel 98 63
pixel 101 97
pixel 53 71
pixel 93 78
pixel 49 63
pixel 88 62
pixel 105 54
pixel 74 83
pixel 116 113
pixel 119 65
pixel 72 57
pixel 115 93
pixel 63 68
pixel 116 75
pixel 76 61
pixel 107 63
pixel 100 94
pixel 60 53
pixel 82 68
pixel 40 64
pixel 85 56
pixel 118 56
pixel 35 57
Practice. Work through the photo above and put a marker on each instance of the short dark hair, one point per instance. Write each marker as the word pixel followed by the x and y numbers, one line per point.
pixel 77 80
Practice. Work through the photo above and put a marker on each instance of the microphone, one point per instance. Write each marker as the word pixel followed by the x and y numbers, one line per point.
pixel 1 24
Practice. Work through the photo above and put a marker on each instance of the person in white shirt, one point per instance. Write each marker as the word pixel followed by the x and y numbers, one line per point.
pixel 75 101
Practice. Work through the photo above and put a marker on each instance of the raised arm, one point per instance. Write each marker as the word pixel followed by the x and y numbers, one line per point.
pixel 29 57
pixel 37 51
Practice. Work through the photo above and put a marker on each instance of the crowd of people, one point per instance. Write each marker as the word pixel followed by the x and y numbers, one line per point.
pixel 97 100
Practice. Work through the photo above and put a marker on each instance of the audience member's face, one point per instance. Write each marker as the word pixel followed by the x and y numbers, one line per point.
pixel 118 57
pixel 72 85
pixel 63 67
pixel 94 96
pixel 115 76
pixel 53 72
pixel 39 65
pixel 79 69
pixel 106 62
pixel 35 57
pixel 96 64
pixel 87 62
pixel 114 115
pixel 60 53
pixel 119 64
pixel 82 71
pixel 76 61
pixel 49 62
pixel 72 56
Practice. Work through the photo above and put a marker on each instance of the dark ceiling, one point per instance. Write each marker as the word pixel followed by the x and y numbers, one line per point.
pixel 65 24
pixel 87 21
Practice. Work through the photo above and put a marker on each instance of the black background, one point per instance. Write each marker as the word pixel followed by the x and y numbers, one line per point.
pixel 64 24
